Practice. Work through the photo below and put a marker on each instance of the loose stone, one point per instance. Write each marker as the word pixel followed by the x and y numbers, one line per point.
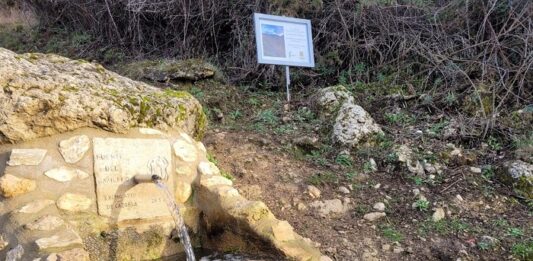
pixel 35 206
pixel 64 174
pixel 438 214
pixel 64 239
pixel 73 202
pixel 373 216
pixel 27 157
pixel 184 151
pixel 475 170
pixel 45 223
pixel 12 186
pixel 329 206
pixel 313 191
pixel 380 206
pixel 343 190
pixel 74 148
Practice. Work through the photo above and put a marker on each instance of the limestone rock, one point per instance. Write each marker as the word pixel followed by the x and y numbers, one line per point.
pixel 183 191
pixel 209 181
pixel 46 94
pixel 76 254
pixel 171 70
pixel 64 174
pixel 61 240
pixel 208 168
pixel 327 207
pixel 373 216
pixel 11 186
pixel 74 148
pixel 343 190
pixel 185 151
pixel 313 191
pixel 28 157
pixel 73 202
pixel 475 170
pixel 380 206
pixel 438 215
pixel 353 123
pixel 45 223
pixel 283 231
pixel 518 174
pixel 328 100
pixel 3 242
pixel 36 206
pixel 149 131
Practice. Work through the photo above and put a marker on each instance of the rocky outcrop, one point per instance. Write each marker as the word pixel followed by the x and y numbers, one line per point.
pixel 170 70
pixel 352 123
pixel 46 94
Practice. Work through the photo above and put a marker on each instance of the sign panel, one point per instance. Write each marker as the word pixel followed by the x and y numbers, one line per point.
pixel 283 40
pixel 116 162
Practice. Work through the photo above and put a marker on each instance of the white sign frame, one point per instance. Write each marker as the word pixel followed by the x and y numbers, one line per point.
pixel 284 22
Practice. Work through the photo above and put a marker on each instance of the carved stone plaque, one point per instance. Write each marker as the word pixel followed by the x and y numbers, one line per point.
pixel 116 162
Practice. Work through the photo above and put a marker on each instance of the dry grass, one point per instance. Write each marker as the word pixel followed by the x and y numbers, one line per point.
pixel 10 16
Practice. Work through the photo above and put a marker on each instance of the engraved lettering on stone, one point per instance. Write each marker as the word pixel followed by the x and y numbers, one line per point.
pixel 116 162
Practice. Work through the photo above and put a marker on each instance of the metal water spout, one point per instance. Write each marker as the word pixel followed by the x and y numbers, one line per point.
pixel 173 208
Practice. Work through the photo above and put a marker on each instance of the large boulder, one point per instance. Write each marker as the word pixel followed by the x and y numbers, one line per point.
pixel 45 94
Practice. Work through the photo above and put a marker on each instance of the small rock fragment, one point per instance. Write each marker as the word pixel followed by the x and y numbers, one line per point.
pixel 398 250
pixel 325 258
pixel 74 148
pixel 12 186
pixel 373 216
pixel 438 215
pixel 324 208
pixel 475 170
pixel 343 190
pixel 74 202
pixel 27 157
pixel 313 191
pixel 380 206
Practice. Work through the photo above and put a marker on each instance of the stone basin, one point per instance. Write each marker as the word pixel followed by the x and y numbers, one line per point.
pixel 73 194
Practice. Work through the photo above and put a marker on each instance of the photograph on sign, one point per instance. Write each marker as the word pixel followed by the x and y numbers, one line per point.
pixel 283 40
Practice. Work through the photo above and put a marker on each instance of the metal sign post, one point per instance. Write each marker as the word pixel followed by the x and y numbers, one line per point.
pixel 288 83
pixel 284 41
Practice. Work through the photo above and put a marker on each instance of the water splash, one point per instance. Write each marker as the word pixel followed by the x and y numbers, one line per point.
pixel 15 253
pixel 180 225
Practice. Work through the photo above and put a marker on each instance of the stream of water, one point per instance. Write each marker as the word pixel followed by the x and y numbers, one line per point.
pixel 180 225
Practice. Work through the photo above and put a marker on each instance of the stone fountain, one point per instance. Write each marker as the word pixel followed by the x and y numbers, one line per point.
pixel 72 138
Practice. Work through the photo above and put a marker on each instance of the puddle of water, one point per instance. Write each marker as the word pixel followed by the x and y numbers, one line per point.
pixel 209 255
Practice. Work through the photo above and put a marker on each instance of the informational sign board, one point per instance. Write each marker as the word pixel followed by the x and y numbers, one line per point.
pixel 283 40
